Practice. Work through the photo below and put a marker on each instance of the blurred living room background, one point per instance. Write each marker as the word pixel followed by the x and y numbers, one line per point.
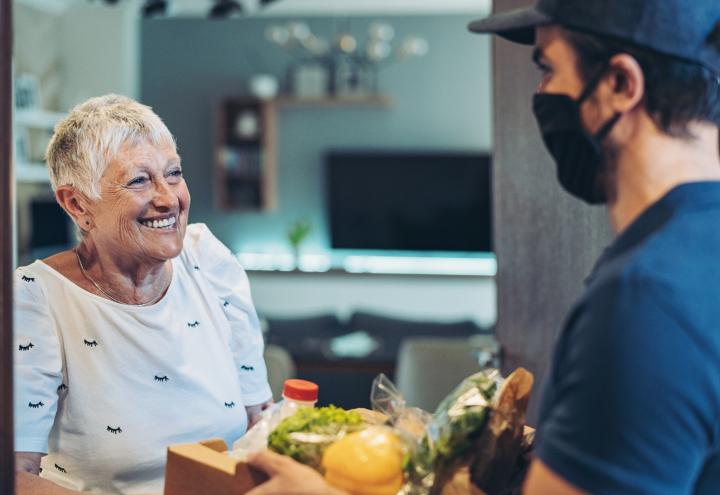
pixel 341 148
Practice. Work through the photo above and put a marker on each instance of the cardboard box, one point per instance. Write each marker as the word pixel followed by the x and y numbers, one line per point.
pixel 204 469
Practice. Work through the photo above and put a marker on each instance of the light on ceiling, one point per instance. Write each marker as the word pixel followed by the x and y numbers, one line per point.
pixel 225 9
pixel 154 8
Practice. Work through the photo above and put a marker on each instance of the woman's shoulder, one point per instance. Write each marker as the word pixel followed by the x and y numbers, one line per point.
pixel 40 278
pixel 28 282
pixel 63 262
pixel 201 243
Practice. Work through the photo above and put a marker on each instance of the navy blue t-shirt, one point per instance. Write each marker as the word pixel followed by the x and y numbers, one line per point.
pixel 632 403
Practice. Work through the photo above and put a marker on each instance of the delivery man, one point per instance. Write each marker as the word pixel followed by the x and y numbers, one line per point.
pixel 628 106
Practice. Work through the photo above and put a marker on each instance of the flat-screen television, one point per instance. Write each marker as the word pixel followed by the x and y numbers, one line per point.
pixel 409 201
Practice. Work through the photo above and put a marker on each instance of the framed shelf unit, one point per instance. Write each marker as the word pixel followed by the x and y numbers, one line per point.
pixel 245 157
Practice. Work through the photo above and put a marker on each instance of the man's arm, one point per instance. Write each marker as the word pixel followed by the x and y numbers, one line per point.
pixel 631 393
pixel 541 480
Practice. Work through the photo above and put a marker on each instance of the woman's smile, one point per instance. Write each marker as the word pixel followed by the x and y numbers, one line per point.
pixel 163 223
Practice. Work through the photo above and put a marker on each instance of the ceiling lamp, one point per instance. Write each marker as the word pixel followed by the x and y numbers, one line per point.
pixel 154 8
pixel 225 9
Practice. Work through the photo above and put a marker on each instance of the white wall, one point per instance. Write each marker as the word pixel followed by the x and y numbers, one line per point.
pixel 81 50
pixel 99 47
pixel 441 298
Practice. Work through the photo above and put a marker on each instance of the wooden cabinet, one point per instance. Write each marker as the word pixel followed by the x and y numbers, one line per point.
pixel 245 161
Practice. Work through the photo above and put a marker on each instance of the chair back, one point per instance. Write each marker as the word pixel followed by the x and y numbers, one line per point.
pixel 280 367
pixel 429 368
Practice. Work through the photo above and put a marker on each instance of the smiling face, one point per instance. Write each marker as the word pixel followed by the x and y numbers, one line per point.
pixel 143 207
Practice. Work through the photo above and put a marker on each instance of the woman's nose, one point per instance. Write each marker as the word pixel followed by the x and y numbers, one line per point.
pixel 165 196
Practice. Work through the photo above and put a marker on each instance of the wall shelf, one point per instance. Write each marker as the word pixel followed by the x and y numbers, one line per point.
pixel 35 119
pixel 372 101
pixel 481 265
pixel 53 7
pixel 38 119
pixel 31 172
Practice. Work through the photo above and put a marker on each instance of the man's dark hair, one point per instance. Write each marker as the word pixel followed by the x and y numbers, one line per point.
pixel 677 92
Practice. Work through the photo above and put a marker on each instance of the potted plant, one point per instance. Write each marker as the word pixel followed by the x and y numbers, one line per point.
pixel 296 234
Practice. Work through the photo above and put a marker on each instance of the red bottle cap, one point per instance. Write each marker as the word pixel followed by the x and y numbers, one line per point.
pixel 300 390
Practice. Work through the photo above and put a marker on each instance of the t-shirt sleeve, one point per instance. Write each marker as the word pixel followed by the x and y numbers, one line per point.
pixel 230 282
pixel 631 407
pixel 37 359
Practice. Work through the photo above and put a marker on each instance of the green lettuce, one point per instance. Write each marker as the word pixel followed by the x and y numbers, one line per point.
pixel 305 435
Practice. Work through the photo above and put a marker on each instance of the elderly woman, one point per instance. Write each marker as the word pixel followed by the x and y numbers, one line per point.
pixel 144 334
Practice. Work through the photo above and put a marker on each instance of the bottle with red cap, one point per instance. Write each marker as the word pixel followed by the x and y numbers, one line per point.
pixel 298 393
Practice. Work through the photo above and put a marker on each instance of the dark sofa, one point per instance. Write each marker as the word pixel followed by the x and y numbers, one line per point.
pixel 346 382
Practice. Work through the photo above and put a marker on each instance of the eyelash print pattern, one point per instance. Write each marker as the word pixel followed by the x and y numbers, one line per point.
pixel 36 405
pixel 60 468
pixel 163 378
pixel 90 343
pixel 62 387
pixel 193 324
pixel 247 368
pixel 230 405
pixel 114 431
pixel 28 279
pixel 26 347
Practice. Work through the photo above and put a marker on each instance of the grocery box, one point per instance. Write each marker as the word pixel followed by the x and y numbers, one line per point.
pixel 204 468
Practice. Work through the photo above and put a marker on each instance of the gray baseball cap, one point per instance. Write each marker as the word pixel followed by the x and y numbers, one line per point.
pixel 686 29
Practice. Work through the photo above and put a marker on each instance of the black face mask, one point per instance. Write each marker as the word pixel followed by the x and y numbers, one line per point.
pixel 578 155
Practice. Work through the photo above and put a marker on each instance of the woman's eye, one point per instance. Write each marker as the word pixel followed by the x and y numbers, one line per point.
pixel 138 181
pixel 175 175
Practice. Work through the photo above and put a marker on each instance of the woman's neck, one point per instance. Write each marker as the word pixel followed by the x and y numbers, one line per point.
pixel 123 278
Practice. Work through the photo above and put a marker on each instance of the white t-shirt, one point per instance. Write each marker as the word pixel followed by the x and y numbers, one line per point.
pixel 104 387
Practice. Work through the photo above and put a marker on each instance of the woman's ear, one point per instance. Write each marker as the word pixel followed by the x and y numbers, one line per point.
pixel 76 205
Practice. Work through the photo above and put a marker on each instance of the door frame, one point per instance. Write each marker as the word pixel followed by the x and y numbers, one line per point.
pixel 7 456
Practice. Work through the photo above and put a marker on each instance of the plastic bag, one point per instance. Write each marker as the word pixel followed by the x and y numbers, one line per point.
pixel 472 442
pixel 474 438
pixel 409 422
pixel 256 438
pixel 490 459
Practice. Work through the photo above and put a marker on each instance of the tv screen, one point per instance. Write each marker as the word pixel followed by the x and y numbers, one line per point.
pixel 409 201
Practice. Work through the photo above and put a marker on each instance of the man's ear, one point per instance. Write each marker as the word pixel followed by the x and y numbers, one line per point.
pixel 628 83
pixel 75 204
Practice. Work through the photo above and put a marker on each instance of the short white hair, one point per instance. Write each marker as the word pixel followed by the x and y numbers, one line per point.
pixel 87 140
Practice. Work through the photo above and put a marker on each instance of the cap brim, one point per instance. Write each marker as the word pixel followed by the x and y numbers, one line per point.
pixel 515 25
